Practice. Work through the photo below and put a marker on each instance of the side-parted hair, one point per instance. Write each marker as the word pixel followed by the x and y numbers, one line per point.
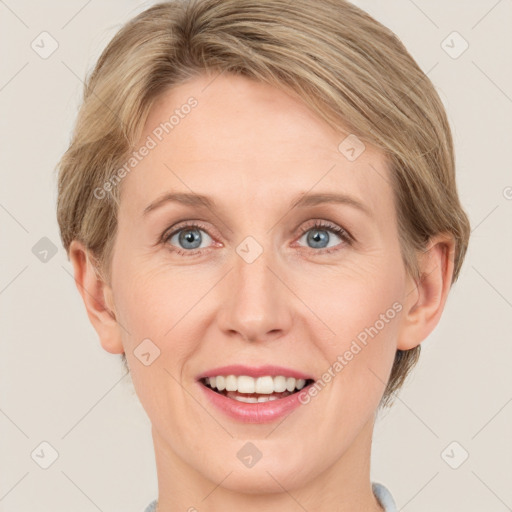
pixel 348 68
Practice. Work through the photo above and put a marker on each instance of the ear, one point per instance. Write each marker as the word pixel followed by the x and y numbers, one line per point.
pixel 97 297
pixel 425 299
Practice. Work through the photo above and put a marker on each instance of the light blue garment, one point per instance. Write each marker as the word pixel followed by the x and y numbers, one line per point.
pixel 381 493
pixel 384 497
pixel 151 507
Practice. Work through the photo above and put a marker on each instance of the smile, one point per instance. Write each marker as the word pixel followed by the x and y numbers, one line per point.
pixel 260 399
pixel 255 390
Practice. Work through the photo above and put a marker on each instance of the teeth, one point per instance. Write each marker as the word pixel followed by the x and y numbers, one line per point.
pixel 220 383
pixel 246 384
pixel 262 385
pixel 231 383
pixel 247 399
pixel 266 398
pixel 279 384
pixel 290 384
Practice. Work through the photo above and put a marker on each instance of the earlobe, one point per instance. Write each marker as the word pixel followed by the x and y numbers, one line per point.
pixel 97 297
pixel 426 298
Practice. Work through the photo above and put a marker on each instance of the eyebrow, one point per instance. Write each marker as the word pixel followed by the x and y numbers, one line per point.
pixel 303 200
pixel 315 199
pixel 188 199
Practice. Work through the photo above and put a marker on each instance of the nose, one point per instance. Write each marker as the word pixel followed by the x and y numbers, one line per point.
pixel 256 303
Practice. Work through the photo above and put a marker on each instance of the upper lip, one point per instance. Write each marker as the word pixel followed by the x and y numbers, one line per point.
pixel 255 371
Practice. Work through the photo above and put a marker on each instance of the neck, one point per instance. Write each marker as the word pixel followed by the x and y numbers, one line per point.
pixel 345 486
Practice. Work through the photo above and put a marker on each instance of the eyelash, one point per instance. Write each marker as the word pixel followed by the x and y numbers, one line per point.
pixel 320 225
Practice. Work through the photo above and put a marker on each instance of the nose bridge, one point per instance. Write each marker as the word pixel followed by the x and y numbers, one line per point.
pixel 257 305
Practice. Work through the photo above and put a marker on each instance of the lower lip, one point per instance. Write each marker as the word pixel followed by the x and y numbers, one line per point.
pixel 260 412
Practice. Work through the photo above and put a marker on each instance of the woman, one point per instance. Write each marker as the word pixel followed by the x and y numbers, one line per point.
pixel 260 206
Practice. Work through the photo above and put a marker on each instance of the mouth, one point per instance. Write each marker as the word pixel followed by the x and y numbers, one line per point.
pixel 244 388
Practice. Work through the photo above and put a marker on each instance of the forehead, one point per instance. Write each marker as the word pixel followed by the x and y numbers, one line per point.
pixel 221 134
pixel 267 121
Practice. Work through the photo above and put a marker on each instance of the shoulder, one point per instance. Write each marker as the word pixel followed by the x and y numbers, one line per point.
pixel 151 507
pixel 384 497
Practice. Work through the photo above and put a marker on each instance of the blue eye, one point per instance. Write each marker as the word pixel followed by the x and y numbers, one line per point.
pixel 188 237
pixel 317 236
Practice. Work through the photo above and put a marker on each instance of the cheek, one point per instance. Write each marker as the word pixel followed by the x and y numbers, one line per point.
pixel 155 309
pixel 354 297
pixel 362 309
pixel 152 298
pixel 162 306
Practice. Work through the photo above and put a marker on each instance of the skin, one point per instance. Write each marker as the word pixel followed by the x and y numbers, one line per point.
pixel 253 149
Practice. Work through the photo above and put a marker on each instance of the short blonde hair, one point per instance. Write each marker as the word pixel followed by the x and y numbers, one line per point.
pixel 350 69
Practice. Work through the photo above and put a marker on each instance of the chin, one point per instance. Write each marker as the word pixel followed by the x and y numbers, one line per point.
pixel 258 482
pixel 265 477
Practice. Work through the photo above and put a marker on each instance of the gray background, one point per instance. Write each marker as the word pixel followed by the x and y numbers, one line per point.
pixel 59 386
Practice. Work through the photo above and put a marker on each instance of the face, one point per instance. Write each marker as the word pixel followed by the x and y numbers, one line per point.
pixel 250 279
